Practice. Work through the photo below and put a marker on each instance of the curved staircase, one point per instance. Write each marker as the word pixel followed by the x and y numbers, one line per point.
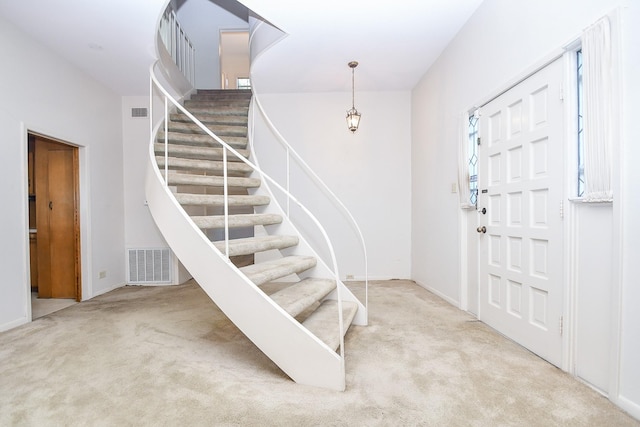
pixel 216 216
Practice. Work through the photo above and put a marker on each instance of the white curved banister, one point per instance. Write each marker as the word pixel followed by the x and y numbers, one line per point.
pixel 291 151
pixel 167 97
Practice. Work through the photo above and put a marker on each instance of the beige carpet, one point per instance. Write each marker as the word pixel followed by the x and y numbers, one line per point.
pixel 167 356
pixel 43 306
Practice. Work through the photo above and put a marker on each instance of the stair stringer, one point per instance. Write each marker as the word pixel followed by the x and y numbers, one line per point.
pixel 287 227
pixel 299 353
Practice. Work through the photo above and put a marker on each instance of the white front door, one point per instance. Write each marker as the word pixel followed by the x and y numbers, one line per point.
pixel 521 187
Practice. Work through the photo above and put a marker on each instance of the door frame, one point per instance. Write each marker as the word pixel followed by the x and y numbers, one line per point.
pixel 80 208
pixel 468 218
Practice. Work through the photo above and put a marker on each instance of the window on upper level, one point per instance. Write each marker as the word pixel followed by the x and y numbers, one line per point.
pixel 243 83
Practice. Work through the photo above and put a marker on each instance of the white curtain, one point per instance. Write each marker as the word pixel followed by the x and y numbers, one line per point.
pixel 463 164
pixel 597 88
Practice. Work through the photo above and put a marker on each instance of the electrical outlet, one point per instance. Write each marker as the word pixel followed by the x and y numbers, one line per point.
pixel 454 187
pixel 102 274
pixel 349 276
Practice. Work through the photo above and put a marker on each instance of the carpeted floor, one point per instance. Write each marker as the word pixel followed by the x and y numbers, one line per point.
pixel 166 356
pixel 43 306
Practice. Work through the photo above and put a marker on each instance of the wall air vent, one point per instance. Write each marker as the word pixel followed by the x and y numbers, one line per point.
pixel 139 112
pixel 149 266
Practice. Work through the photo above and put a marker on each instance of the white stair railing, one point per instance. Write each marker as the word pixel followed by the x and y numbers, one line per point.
pixel 171 104
pixel 178 44
pixel 258 113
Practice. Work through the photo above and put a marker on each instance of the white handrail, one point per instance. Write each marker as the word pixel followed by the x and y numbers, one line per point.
pixel 226 147
pixel 291 151
pixel 178 44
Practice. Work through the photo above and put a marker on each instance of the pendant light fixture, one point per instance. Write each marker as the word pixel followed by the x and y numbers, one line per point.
pixel 353 117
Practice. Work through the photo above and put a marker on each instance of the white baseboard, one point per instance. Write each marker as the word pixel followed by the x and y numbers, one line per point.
pixel 448 299
pixel 13 324
pixel 632 408
pixel 104 291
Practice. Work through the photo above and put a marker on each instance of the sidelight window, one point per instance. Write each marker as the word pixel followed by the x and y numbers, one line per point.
pixel 473 157
pixel 580 120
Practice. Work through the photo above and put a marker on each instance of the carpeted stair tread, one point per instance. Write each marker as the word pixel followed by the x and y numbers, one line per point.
pixel 176 178
pixel 218 200
pixel 204 140
pixel 275 269
pixel 300 296
pixel 218 129
pixel 233 110
pixel 200 153
pixel 221 93
pixel 203 165
pixel 323 322
pixel 210 222
pixel 221 118
pixel 252 245
pixel 229 102
pixel 215 100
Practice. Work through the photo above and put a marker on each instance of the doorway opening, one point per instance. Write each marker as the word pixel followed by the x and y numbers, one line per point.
pixel 54 224
pixel 234 59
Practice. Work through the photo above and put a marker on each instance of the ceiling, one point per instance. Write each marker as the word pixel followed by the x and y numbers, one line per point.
pixel 113 41
pixel 395 42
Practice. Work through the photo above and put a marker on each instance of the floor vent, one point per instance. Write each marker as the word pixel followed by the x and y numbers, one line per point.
pixel 149 266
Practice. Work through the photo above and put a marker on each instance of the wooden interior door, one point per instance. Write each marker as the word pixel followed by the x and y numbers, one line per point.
pixel 57 222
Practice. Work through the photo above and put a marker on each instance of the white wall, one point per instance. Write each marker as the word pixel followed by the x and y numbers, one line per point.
pixel 202 20
pixel 501 41
pixel 140 229
pixel 367 170
pixel 45 94
pixel 629 298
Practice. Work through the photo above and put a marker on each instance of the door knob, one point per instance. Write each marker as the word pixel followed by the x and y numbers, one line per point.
pixel 482 229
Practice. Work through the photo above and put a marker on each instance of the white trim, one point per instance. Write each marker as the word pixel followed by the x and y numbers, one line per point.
pixel 617 273
pixel 109 289
pixel 17 322
pixel 628 405
pixel 581 200
pixel 571 313
pixel 570 222
pixel 26 255
pixel 86 248
pixel 447 298
pixel 84 185
pixel 463 224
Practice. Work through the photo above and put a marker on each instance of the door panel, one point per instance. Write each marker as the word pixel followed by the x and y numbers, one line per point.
pixel 62 235
pixel 521 185
pixel 56 219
